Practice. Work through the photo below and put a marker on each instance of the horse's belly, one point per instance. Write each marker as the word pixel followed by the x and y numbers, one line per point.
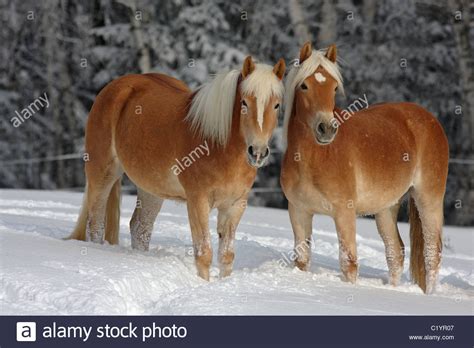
pixel 167 188
pixel 152 174
pixel 373 196
pixel 318 203
pixel 307 197
pixel 226 197
pixel 373 204
pixel 227 190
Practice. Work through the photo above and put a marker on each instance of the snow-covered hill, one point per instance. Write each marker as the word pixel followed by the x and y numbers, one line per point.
pixel 42 274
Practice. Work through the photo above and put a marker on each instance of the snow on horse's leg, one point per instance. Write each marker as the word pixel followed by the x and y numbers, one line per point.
pixel 346 232
pixel 431 216
pixel 394 249
pixel 301 222
pixel 198 213
pixel 143 219
pixel 96 210
pixel 227 221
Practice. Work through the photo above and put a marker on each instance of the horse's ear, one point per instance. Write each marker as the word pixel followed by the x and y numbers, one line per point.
pixel 279 68
pixel 331 53
pixel 248 67
pixel 306 51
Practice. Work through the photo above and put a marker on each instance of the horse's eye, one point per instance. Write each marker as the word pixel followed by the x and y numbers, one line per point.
pixel 244 103
pixel 303 86
pixel 335 88
pixel 277 106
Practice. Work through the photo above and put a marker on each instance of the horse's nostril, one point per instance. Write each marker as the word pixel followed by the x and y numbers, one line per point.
pixel 250 150
pixel 267 152
pixel 321 129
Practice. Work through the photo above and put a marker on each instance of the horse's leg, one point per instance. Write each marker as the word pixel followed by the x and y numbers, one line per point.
pixel 386 221
pixel 141 225
pixel 346 233
pixel 431 215
pixel 228 219
pixel 198 212
pixel 96 203
pixel 99 184
pixel 302 223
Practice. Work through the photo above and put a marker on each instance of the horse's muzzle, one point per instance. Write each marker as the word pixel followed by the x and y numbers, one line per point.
pixel 325 133
pixel 257 156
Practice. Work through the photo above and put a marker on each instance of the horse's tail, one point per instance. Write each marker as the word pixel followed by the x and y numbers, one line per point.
pixel 79 231
pixel 112 222
pixel 417 259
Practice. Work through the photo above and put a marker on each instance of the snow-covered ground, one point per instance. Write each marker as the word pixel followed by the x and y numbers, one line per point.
pixel 42 274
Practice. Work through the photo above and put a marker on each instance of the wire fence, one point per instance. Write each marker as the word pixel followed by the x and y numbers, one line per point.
pixel 465 161
pixel 63 157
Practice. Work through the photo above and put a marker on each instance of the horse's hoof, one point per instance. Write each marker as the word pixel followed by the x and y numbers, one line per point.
pixel 225 271
pixel 203 271
pixel 351 275
pixel 96 240
pixel 204 275
pixel 394 281
pixel 302 266
pixel 140 245
pixel 351 278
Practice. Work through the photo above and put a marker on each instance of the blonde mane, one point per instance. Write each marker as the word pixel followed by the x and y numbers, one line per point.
pixel 212 107
pixel 299 73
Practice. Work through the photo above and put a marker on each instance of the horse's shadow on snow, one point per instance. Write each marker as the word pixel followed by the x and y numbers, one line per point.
pixel 251 255
pixel 320 261
pixel 456 281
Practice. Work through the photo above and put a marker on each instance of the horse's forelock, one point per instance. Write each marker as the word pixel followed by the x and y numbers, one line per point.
pixel 262 84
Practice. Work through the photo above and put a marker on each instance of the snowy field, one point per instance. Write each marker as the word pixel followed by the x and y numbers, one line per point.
pixel 42 274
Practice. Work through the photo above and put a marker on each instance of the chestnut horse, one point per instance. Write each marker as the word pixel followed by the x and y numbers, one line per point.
pixel 362 165
pixel 202 147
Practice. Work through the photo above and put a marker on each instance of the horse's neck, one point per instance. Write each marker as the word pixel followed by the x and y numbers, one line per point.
pixel 236 144
pixel 300 138
pixel 234 153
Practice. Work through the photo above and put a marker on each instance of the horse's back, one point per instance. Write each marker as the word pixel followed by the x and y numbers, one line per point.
pixel 408 121
pixel 153 80
pixel 155 87
pixel 411 114
pixel 168 81
pixel 406 117
pixel 157 98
